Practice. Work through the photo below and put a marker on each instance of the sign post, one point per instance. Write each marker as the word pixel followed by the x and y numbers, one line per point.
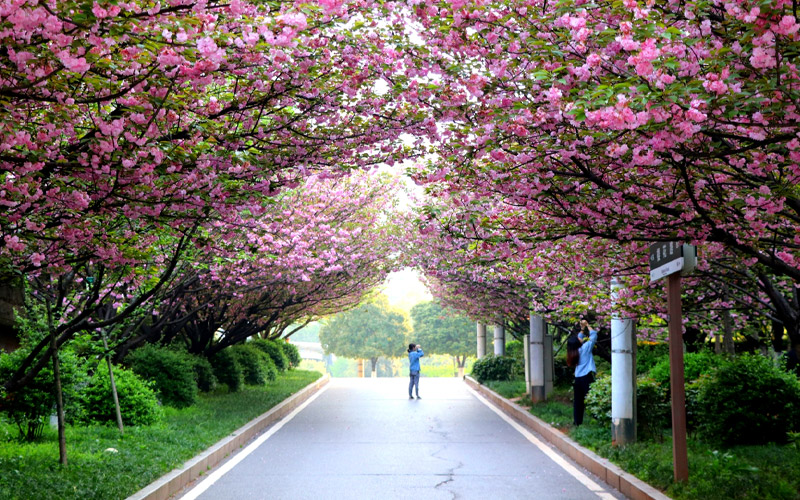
pixel 672 259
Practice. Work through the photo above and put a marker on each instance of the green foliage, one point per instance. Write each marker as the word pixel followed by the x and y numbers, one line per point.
pixel 442 330
pixel 137 399
pixel 515 350
pixel 172 373
pixel 648 355
pixel 203 373
pixel 257 367
pixel 598 399
pixel 563 375
pixel 653 411
pixel 748 400
pixel 695 364
pixel 30 407
pixel 145 453
pixel 292 352
pixel 369 331
pixel 274 350
pixel 227 370
pixel 493 368
pixel 740 472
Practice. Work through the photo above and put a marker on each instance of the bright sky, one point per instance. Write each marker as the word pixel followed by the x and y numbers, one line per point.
pixel 404 289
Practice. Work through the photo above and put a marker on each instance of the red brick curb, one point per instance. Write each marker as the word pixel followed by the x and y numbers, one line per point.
pixel 625 483
pixel 174 481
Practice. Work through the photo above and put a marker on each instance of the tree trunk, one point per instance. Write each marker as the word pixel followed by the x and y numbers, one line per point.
pixel 727 339
pixel 113 384
pixel 462 360
pixel 374 362
pixel 62 439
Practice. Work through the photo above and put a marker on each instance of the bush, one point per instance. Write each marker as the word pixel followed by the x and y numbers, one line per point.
pixel 653 412
pixel 172 373
pixel 272 349
pixel 292 352
pixel 257 367
pixel 493 368
pixel 31 406
pixel 695 364
pixel 648 354
pixel 563 375
pixel 203 373
pixel 598 399
pixel 748 400
pixel 137 398
pixel 227 369
pixel 515 349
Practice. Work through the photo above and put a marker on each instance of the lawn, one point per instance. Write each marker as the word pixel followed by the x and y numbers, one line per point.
pixel 31 471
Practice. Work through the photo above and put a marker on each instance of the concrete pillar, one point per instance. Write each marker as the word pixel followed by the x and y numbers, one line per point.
pixel 536 349
pixel 481 340
pixel 527 362
pixel 499 340
pixel 623 376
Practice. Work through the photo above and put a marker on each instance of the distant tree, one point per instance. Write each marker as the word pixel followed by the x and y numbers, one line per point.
pixel 369 331
pixel 443 331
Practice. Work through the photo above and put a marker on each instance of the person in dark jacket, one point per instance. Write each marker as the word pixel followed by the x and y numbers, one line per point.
pixel 579 355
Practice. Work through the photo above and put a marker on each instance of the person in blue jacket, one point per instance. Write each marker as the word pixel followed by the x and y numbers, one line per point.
pixel 579 355
pixel 414 353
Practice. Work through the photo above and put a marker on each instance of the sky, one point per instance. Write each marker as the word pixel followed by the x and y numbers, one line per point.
pixel 404 289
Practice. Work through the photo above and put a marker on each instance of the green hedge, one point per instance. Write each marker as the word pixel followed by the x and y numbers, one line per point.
pixel 493 368
pixel 748 400
pixel 292 352
pixel 137 399
pixel 257 367
pixel 272 349
pixel 172 373
pixel 227 370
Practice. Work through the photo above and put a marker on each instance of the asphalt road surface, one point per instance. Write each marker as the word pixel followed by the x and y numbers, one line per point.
pixel 364 439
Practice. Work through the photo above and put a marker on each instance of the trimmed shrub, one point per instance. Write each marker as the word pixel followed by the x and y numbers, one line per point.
pixel 272 349
pixel 171 372
pixel 748 400
pixel 493 368
pixel 203 373
pixel 598 399
pixel 292 352
pixel 257 367
pixel 227 369
pixel 137 398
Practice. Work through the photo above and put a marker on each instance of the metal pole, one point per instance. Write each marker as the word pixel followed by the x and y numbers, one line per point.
pixel 526 359
pixel 679 454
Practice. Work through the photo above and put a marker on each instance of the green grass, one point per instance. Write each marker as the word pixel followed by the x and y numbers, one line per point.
pixel 31 471
pixel 507 388
pixel 742 472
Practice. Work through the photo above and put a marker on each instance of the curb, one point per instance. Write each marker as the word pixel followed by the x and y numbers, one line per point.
pixel 627 484
pixel 175 480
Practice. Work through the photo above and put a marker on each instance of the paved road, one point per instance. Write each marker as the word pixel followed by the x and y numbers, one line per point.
pixel 363 439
